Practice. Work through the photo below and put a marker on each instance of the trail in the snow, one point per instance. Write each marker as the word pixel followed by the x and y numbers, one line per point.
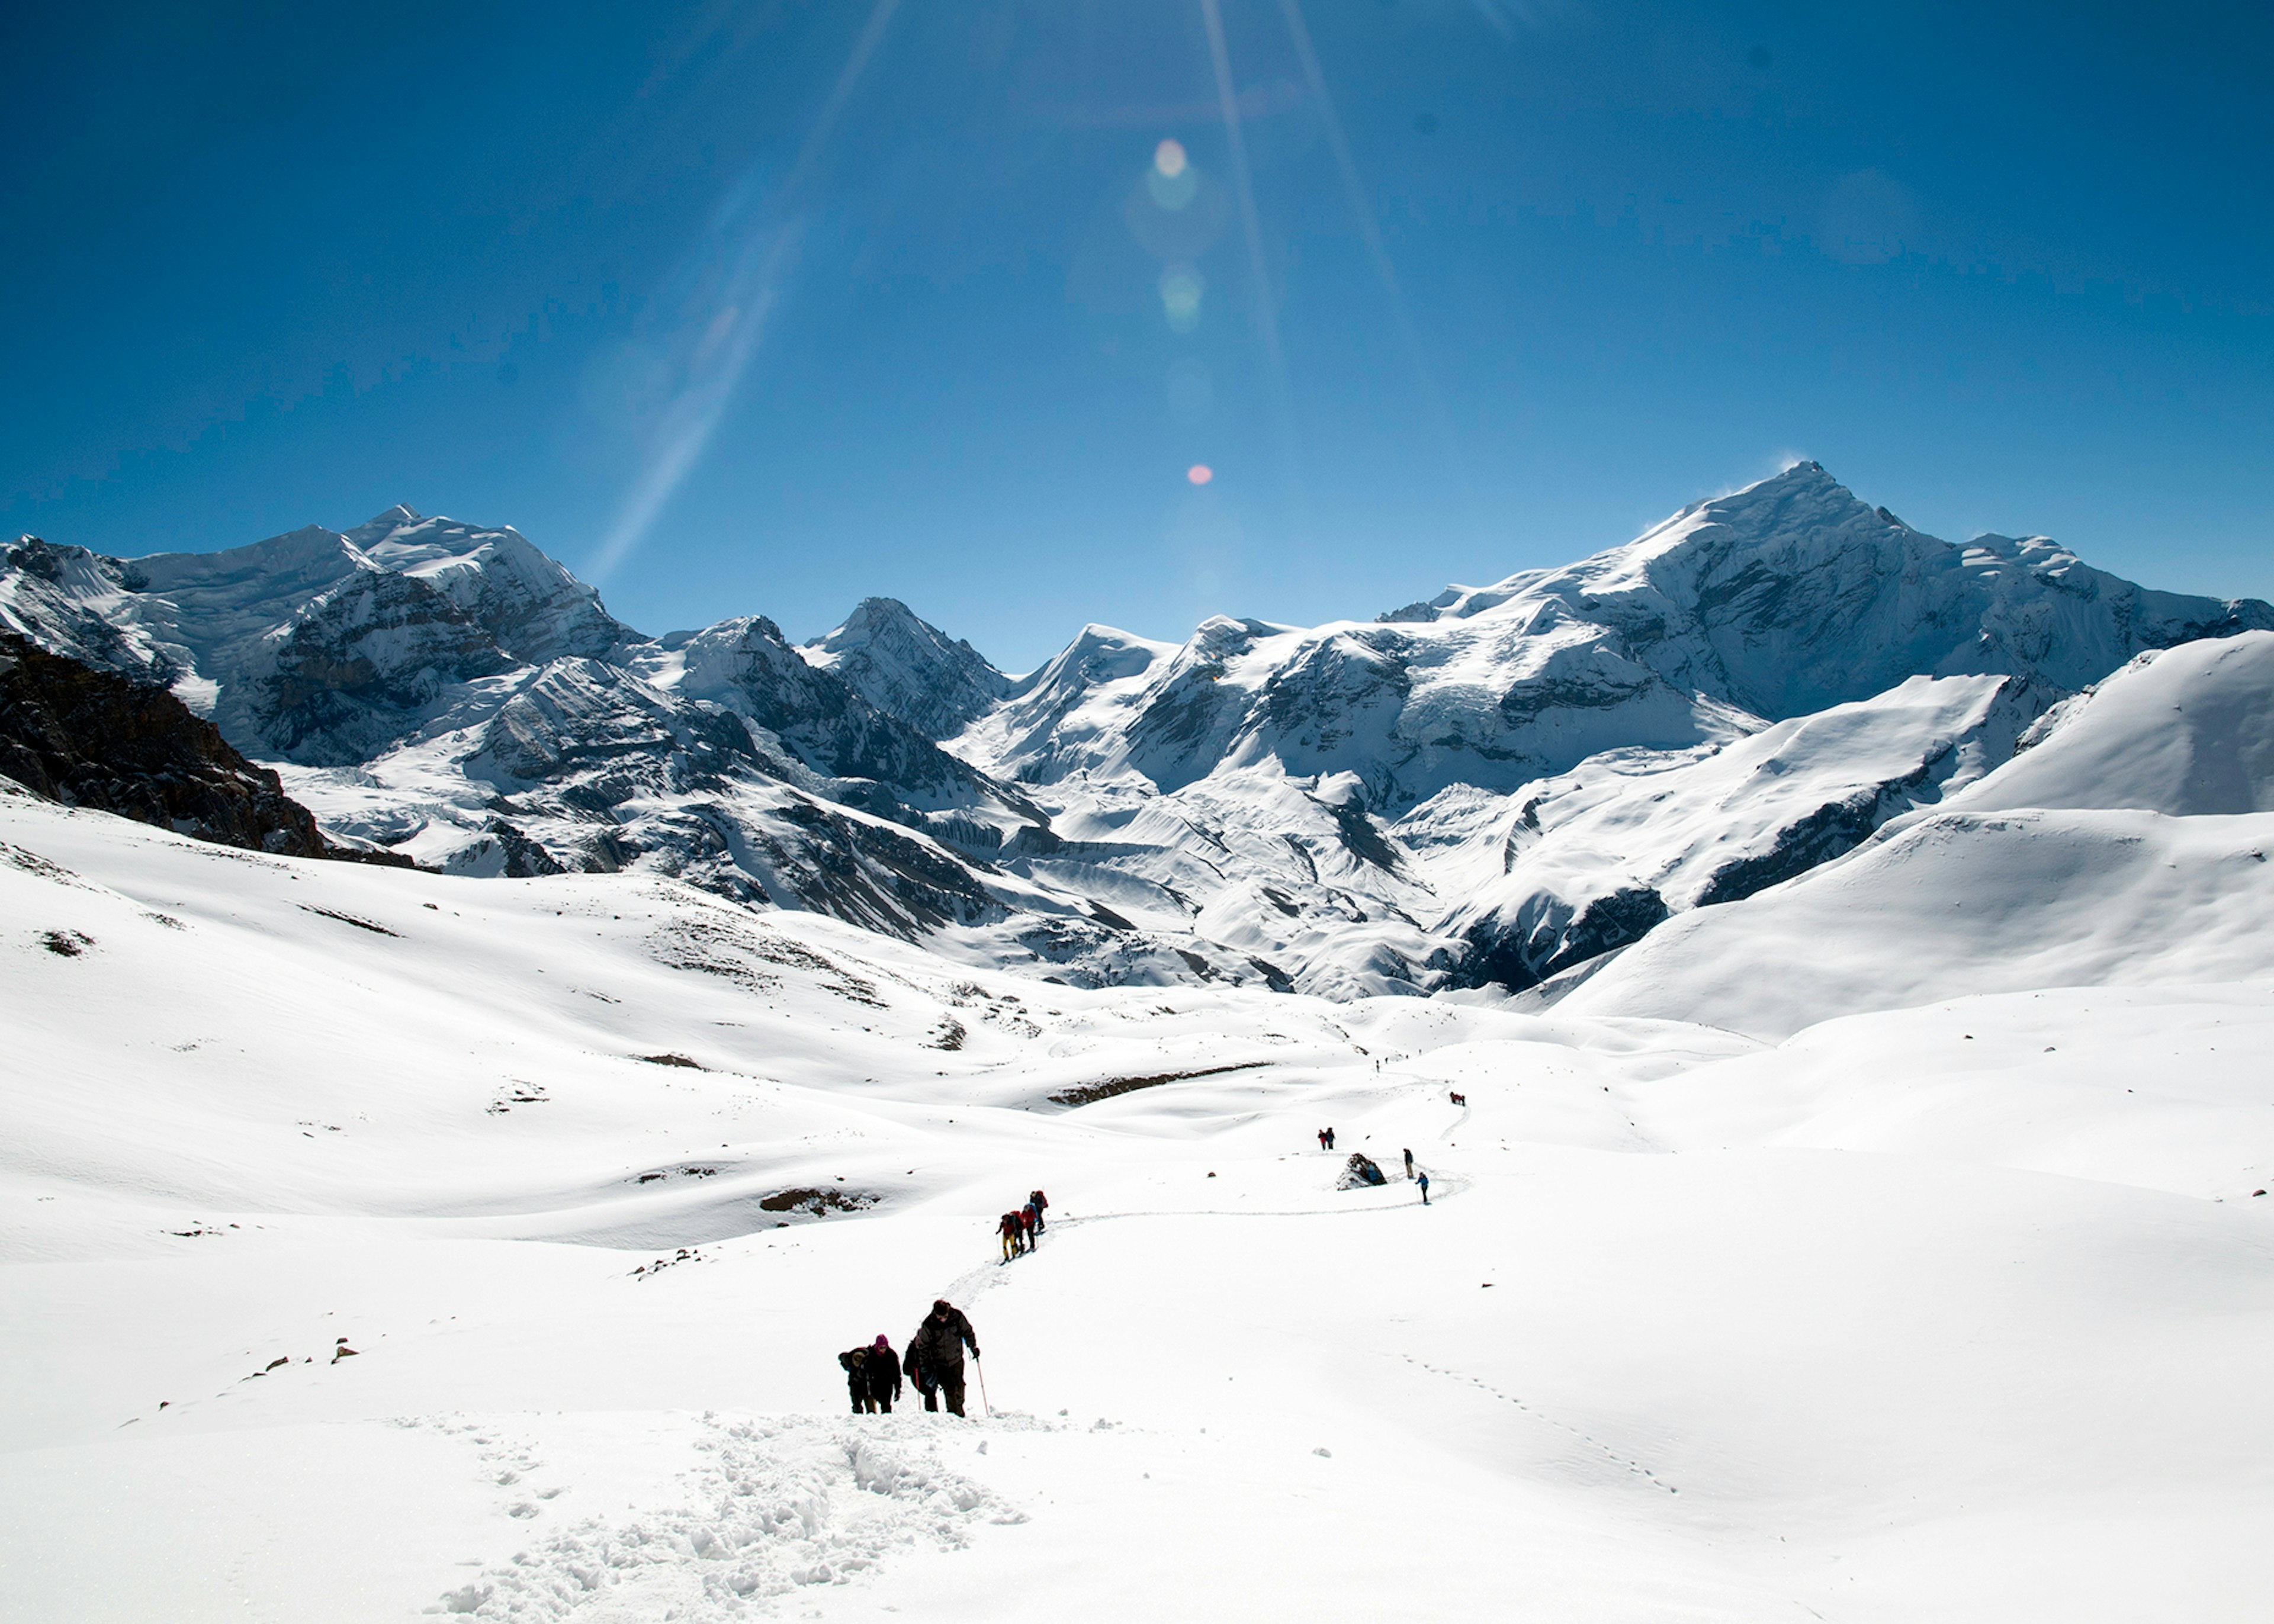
pixel 1532 1410
pixel 778 1505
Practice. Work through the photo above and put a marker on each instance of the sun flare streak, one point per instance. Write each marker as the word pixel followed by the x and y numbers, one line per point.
pixel 734 279
pixel 1267 310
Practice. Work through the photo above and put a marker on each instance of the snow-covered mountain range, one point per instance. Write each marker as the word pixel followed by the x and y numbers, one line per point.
pixel 1497 783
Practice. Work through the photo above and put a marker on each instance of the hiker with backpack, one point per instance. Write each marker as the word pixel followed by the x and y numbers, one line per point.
pixel 1029 1221
pixel 1013 1233
pixel 935 1351
pixel 872 1375
pixel 1422 1179
pixel 920 1379
pixel 1330 1139
pixel 1041 1203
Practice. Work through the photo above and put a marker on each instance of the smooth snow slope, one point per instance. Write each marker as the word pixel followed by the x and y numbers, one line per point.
pixel 1957 1314
pixel 1594 858
pixel 2123 846
pixel 2187 732
pixel 1952 904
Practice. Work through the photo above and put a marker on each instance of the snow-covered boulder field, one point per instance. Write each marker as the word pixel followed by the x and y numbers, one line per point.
pixel 377 1244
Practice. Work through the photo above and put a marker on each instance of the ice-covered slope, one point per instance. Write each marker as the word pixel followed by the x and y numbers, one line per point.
pixel 259 1112
pixel 2041 873
pixel 2186 731
pixel 1947 904
pixel 1596 858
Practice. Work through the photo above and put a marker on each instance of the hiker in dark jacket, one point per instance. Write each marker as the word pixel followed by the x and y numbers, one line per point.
pixel 1409 1164
pixel 884 1373
pixel 1041 1203
pixel 855 1361
pixel 1029 1221
pixel 937 1350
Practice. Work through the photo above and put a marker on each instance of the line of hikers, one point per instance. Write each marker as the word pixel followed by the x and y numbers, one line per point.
pixel 1018 1227
pixel 873 1374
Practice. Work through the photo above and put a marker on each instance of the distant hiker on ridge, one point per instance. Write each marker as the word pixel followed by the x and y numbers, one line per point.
pixel 938 1348
pixel 1409 1164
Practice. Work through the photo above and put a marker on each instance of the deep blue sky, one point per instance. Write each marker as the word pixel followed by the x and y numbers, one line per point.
pixel 733 329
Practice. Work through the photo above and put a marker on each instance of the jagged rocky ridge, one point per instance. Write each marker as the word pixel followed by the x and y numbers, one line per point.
pixel 1494 785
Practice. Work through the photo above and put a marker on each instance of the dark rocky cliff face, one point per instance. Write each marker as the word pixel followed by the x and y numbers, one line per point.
pixel 89 738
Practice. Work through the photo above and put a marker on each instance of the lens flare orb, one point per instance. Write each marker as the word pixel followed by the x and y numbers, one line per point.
pixel 1200 473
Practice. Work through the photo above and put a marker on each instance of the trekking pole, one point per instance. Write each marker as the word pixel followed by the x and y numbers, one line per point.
pixel 983 1408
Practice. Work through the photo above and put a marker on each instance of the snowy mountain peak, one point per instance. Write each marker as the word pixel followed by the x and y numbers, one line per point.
pixel 530 605
pixel 394 518
pixel 908 668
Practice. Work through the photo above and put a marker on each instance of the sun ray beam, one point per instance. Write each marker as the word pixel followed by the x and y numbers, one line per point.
pixel 1266 308
pixel 1362 208
pixel 735 276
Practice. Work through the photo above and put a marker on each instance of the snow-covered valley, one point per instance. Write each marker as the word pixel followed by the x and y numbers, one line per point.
pixel 1955 1311
pixel 1823 974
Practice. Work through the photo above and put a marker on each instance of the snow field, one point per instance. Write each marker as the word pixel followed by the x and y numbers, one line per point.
pixel 1961 903
pixel 1904 1317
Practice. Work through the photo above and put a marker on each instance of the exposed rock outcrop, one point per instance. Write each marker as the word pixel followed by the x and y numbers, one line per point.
pixel 89 738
